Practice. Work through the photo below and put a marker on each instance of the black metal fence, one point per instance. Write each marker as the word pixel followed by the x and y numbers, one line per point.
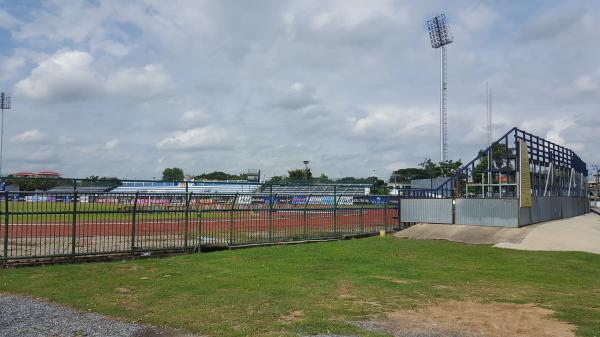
pixel 39 225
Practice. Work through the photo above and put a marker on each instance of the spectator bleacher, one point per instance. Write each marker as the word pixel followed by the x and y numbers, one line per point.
pixel 358 189
pixel 211 187
pixel 81 189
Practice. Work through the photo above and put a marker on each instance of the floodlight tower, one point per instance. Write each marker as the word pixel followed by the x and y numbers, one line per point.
pixel 488 96
pixel 440 36
pixel 4 105
pixel 306 169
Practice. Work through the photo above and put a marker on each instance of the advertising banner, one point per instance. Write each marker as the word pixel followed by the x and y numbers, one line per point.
pixel 299 200
pixel 345 200
pixel 244 200
pixel 377 200
pixel 259 199
pixel 283 199
pixel 361 200
pixel 395 201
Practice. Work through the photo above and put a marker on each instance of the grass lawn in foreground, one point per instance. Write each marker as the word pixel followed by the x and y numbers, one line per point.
pixel 255 291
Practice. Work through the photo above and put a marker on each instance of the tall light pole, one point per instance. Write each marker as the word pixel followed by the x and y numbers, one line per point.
pixel 306 170
pixel 4 105
pixel 440 36
pixel 488 96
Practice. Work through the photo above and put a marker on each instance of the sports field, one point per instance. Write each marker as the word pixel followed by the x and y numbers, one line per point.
pixel 323 288
pixel 52 229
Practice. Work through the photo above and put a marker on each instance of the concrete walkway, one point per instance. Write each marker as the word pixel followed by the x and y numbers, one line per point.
pixel 581 233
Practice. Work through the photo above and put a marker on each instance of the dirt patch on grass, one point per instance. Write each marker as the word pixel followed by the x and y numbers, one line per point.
pixel 292 316
pixel 474 319
pixel 393 280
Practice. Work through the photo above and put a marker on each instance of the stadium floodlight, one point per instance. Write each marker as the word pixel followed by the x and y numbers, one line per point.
pixel 306 169
pixel 440 36
pixel 4 105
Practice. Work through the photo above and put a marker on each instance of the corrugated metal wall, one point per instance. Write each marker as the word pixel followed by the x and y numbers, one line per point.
pixel 552 208
pixel 498 212
pixel 426 210
pixel 487 212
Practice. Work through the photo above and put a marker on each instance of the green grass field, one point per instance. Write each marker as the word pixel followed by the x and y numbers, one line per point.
pixel 111 212
pixel 248 292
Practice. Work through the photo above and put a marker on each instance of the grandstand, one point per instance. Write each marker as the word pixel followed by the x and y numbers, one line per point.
pixel 81 189
pixel 211 187
pixel 356 189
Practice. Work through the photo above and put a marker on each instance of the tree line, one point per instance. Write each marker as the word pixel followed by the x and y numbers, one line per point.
pixel 426 170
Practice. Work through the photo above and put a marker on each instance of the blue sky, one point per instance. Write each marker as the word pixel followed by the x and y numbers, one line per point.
pixel 129 88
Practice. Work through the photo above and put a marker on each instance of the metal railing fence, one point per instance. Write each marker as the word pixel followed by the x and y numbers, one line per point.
pixel 43 224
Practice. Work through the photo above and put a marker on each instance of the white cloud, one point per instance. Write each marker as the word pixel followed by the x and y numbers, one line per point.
pixel 7 21
pixel 73 76
pixel 203 138
pixel 586 84
pixel 390 119
pixel 63 76
pixel 34 136
pixel 192 118
pixel 297 96
pixel 111 144
pixel 351 85
pixel 558 127
pixel 146 81
pixel 477 17
pixel 9 65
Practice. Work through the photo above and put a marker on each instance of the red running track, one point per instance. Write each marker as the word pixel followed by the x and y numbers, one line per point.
pixel 239 221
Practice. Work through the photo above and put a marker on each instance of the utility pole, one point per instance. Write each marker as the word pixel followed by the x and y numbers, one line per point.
pixel 4 105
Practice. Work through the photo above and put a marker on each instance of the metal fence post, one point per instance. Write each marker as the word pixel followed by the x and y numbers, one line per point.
pixel 362 218
pixel 270 213
pixel 133 216
pixel 399 215
pixel 6 217
pixel 231 220
pixel 385 224
pixel 187 220
pixel 74 223
pixel 334 209
pixel 306 218
pixel 200 215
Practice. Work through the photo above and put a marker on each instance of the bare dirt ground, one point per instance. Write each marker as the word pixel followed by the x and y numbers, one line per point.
pixel 469 319
pixel 580 233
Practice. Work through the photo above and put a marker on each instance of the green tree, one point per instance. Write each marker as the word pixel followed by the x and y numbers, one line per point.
pixel 218 175
pixel 431 168
pixel 322 179
pixel 274 180
pixel 173 174
pixel 441 169
pixel 499 154
pixel 449 167
pixel 300 175
pixel 35 183
pixel 408 174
